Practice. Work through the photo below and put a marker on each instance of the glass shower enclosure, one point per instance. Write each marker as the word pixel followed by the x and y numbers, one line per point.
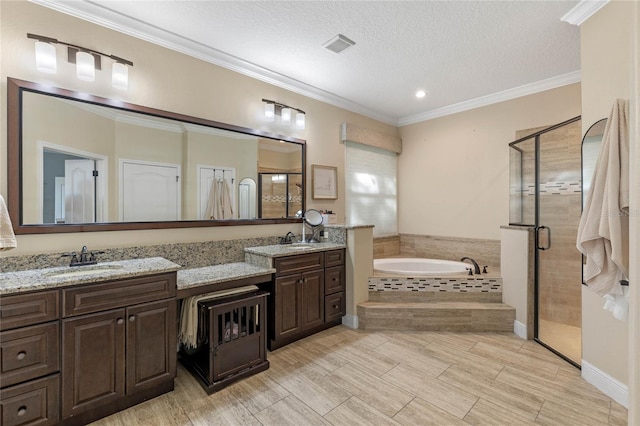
pixel 545 193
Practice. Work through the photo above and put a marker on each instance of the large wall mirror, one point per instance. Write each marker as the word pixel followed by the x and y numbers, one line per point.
pixel 82 163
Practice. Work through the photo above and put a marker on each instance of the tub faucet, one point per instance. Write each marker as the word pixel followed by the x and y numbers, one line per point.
pixel 476 267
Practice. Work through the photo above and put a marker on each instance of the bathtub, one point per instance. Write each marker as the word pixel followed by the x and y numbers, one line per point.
pixel 419 267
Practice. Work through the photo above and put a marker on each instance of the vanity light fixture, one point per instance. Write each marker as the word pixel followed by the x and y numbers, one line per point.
pixel 273 108
pixel 87 61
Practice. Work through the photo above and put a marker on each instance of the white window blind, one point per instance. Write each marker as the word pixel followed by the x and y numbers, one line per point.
pixel 371 188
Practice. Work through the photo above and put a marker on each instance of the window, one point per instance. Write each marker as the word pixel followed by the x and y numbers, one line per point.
pixel 371 188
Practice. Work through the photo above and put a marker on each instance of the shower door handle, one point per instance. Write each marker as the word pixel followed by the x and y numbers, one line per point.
pixel 547 246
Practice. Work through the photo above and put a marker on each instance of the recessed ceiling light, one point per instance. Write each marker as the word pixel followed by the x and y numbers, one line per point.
pixel 338 43
pixel 421 94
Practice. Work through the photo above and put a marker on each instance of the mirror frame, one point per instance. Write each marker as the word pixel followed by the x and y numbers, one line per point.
pixel 15 89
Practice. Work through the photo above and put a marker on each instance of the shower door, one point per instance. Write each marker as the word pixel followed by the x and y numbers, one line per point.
pixel 559 292
pixel 546 194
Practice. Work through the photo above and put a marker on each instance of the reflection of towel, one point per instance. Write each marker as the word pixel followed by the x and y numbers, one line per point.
pixel 189 313
pixel 225 200
pixel 603 233
pixel 7 238
pixel 219 202
pixel 212 202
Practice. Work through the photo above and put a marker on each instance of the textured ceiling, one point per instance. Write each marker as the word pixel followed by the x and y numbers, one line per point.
pixel 457 51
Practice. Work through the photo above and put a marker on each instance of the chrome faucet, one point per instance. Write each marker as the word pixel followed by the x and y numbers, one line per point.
pixel 476 267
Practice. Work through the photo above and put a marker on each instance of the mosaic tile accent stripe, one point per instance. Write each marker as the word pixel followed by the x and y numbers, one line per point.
pixel 553 188
pixel 437 284
pixel 281 198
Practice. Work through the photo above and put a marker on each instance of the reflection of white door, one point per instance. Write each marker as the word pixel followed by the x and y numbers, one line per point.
pixel 79 184
pixel 150 191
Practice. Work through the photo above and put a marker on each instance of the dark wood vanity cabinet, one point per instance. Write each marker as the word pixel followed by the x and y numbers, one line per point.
pixel 74 355
pixel 30 359
pixel 117 357
pixel 303 286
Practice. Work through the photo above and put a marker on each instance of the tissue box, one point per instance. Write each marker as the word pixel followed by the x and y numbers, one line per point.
pixel 329 219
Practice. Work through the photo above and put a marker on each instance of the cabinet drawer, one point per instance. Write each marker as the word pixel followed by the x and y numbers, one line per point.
pixel 334 258
pixel 334 307
pixel 28 353
pixel 334 280
pixel 115 294
pixel 35 402
pixel 299 263
pixel 28 309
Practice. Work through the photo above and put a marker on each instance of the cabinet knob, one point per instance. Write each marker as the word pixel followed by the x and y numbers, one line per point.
pixel 335 306
pixel 334 279
pixel 21 355
pixel 119 321
pixel 22 411
pixel 132 318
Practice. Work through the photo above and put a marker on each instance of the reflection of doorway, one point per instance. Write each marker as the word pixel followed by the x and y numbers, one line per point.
pixel 247 199
pixel 71 185
pixel 149 191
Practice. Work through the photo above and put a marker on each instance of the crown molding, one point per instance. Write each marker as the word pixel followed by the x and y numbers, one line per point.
pixel 106 18
pixel 505 95
pixel 583 11
pixel 99 15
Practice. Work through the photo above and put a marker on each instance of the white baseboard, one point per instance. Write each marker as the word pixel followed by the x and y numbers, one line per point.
pixel 350 321
pixel 611 387
pixel 520 329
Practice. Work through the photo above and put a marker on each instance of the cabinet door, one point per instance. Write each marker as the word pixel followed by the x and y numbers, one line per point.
pixel 93 369
pixel 312 299
pixel 151 344
pixel 288 299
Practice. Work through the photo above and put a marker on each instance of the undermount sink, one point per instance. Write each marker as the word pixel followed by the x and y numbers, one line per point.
pixel 83 270
pixel 298 247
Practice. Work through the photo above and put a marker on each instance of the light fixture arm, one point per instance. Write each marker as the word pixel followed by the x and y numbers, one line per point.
pixel 279 105
pixel 79 48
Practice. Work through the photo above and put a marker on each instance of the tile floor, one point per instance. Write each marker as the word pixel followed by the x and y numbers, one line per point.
pixel 352 377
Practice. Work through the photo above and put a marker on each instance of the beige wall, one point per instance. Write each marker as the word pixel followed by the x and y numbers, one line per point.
pixel 606 65
pixel 169 81
pixel 453 172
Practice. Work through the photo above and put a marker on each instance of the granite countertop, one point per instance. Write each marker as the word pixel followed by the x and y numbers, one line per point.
pixel 64 276
pixel 188 278
pixel 280 250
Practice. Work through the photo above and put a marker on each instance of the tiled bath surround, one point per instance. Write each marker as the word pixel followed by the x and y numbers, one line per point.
pixel 485 252
pixel 188 255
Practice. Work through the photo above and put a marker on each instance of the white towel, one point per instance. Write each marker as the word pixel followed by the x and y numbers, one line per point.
pixel 213 204
pixel 189 313
pixel 7 238
pixel 225 200
pixel 603 233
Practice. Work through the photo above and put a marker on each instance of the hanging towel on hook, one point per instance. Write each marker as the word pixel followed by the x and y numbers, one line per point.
pixel 210 211
pixel 603 233
pixel 7 238
pixel 225 200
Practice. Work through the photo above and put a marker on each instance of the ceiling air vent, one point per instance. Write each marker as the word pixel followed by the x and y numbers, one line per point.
pixel 338 43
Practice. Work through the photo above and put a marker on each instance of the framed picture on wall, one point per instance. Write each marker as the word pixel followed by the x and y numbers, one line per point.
pixel 324 182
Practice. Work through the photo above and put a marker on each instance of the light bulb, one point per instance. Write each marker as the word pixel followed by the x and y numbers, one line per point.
pixel 85 66
pixel 120 76
pixel 300 120
pixel 46 57
pixel 285 115
pixel 269 111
